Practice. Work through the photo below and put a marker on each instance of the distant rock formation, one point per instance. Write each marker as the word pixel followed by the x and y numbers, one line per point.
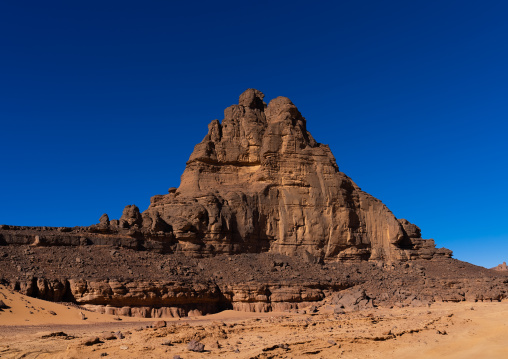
pixel 258 182
pixel 501 267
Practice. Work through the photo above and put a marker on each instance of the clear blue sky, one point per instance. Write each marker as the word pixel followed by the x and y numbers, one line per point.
pixel 101 102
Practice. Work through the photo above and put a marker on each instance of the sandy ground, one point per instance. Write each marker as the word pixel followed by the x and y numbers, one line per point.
pixel 443 330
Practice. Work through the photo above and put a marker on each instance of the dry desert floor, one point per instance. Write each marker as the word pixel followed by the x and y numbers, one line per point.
pixel 32 328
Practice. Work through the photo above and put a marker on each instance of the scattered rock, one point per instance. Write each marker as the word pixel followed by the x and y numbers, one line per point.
pixel 195 346
pixel 159 324
pixel 352 300
pixel 91 341
pixel 108 336
pixel 55 334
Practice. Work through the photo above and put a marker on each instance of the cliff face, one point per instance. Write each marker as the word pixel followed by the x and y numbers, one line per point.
pixel 258 182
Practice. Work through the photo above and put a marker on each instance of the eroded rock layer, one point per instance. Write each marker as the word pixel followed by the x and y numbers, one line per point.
pixel 258 186
pixel 258 182
pixel 150 284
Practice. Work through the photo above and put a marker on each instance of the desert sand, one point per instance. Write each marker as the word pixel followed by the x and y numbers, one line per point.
pixel 441 330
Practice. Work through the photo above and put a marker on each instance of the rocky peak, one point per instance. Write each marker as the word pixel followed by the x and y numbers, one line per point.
pixel 258 182
pixel 253 99
pixel 131 216
pixel 252 131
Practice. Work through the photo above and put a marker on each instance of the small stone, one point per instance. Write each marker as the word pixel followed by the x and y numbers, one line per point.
pixel 195 346
pixel 124 347
pixel 159 324
pixel 108 336
pixel 91 341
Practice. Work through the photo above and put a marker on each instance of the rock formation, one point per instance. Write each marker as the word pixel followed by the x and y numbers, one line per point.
pixel 501 267
pixel 260 187
pixel 258 182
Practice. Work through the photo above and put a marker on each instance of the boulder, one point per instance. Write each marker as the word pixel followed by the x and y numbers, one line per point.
pixel 352 300
pixel 195 346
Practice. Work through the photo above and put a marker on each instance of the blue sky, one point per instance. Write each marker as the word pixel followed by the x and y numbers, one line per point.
pixel 101 103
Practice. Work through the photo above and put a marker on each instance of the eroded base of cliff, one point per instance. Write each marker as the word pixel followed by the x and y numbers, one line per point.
pixel 121 281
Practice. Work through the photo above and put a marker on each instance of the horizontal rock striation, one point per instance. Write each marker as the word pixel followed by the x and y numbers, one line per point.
pixel 254 283
pixel 159 299
pixel 260 187
pixel 258 182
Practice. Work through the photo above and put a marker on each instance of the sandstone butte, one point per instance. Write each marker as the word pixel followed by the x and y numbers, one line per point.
pixel 258 182
pixel 263 220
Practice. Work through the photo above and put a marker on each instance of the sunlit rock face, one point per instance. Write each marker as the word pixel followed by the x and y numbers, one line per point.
pixel 260 182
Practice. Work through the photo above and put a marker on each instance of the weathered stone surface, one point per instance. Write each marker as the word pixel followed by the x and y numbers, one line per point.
pixel 258 182
pixel 352 299
pixel 104 220
pixel 159 324
pixel 258 186
pixel 91 341
pixel 501 267
pixel 195 346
